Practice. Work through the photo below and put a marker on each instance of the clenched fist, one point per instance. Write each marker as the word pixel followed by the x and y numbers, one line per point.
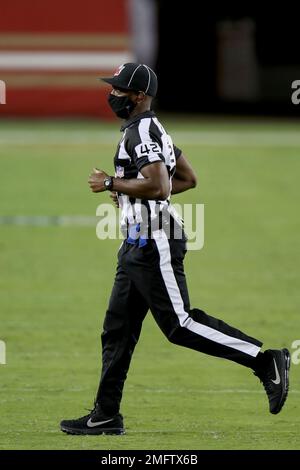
pixel 96 180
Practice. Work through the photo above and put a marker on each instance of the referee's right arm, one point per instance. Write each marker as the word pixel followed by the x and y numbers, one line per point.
pixel 155 184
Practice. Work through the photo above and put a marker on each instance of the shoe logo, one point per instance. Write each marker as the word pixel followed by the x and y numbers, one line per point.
pixel 91 424
pixel 277 378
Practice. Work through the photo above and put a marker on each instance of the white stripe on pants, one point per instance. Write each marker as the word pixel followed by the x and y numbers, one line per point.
pixel 185 320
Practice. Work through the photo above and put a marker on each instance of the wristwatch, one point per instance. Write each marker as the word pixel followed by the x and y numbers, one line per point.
pixel 108 183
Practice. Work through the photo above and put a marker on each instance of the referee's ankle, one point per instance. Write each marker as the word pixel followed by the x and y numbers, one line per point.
pixel 262 360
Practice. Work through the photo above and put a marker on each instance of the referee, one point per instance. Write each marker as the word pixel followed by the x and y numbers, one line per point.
pixel 150 273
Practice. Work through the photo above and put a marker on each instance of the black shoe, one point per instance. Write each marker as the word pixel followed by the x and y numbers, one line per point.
pixel 94 423
pixel 275 378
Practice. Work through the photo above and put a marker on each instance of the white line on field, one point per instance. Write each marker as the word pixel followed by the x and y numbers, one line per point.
pixel 49 221
pixel 216 434
pixel 211 138
pixel 204 392
pixel 176 391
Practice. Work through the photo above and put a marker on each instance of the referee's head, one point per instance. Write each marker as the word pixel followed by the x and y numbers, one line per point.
pixel 134 77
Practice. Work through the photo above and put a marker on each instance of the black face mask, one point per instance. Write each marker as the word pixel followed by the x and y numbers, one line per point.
pixel 122 106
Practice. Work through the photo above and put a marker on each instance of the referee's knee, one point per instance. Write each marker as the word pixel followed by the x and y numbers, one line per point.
pixel 174 335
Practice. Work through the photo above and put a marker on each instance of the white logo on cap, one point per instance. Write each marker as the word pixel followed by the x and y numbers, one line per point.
pixel 119 70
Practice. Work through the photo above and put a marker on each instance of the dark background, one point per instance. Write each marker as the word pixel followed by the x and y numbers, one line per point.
pixel 188 58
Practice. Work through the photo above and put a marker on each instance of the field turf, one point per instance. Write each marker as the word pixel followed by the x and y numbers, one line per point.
pixel 56 280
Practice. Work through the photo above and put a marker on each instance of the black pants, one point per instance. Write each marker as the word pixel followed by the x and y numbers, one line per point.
pixel 152 277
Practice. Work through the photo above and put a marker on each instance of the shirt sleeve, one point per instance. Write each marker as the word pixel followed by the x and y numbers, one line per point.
pixel 143 149
pixel 177 152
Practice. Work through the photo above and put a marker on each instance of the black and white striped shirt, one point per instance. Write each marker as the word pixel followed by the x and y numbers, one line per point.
pixel 144 141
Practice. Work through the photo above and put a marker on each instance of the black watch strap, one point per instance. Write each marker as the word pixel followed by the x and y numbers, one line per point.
pixel 108 183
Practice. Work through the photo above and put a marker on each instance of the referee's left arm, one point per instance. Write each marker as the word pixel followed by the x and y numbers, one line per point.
pixel 184 178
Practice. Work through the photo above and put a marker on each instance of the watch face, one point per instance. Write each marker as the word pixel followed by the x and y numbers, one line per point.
pixel 107 183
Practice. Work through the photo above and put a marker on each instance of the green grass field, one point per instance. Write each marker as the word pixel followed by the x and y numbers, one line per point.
pixel 56 280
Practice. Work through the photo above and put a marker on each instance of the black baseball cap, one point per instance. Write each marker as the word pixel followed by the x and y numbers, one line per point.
pixel 136 77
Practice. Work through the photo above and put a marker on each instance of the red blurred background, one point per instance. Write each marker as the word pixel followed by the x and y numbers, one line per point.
pixel 52 52
pixel 233 59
